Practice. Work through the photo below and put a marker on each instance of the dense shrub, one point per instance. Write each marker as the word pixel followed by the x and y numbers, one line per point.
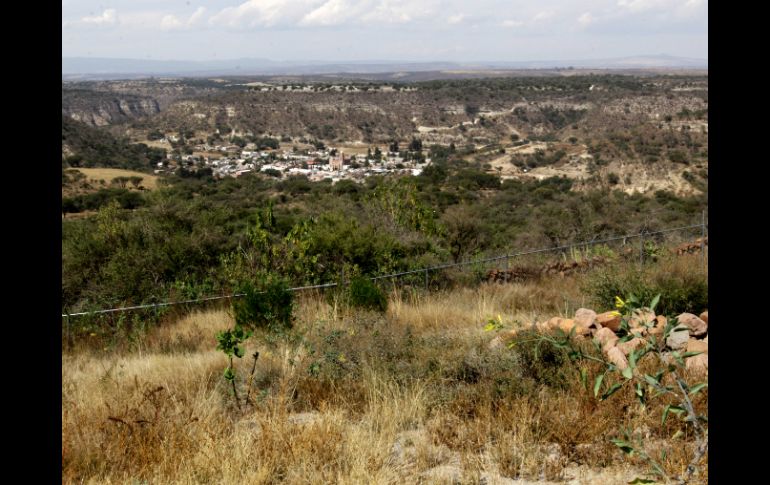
pixel 363 293
pixel 544 364
pixel 268 305
pixel 681 289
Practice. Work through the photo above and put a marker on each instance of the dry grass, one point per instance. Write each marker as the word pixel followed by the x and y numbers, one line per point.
pixel 412 396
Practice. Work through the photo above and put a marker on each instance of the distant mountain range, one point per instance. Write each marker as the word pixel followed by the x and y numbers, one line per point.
pixel 106 68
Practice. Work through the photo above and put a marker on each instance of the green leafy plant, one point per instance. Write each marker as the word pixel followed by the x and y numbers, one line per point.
pixel 269 307
pixel 680 290
pixel 666 381
pixel 231 343
pixel 363 293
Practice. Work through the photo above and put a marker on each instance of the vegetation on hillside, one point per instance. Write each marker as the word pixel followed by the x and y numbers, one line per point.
pixel 216 233
pixel 88 146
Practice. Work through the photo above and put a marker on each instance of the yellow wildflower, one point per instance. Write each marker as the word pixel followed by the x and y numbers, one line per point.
pixel 619 303
pixel 342 358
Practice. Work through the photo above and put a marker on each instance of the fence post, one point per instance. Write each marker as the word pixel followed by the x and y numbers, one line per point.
pixel 426 279
pixel 703 241
pixel 641 249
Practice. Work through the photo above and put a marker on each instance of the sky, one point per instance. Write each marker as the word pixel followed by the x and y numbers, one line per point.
pixel 394 30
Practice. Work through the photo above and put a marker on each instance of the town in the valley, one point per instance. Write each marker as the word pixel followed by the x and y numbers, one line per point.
pixel 316 162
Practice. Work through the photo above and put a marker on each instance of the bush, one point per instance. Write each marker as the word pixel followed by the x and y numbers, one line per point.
pixel 363 293
pixel 542 364
pixel 681 289
pixel 269 308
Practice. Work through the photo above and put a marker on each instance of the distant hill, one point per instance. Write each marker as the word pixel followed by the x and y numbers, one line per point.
pixel 74 68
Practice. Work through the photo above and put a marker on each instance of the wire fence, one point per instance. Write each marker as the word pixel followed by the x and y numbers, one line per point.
pixel 426 272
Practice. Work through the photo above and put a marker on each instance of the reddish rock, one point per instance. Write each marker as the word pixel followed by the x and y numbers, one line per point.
pixel 585 317
pixel 567 324
pixel 604 335
pixel 705 317
pixel 609 320
pixel 695 345
pixel 615 356
pixel 699 363
pixel 631 345
pixel 696 326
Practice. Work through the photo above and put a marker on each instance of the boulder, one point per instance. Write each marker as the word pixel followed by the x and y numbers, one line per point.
pixel 604 335
pixel 567 324
pixel 615 356
pixel 695 345
pixel 699 363
pixel 585 317
pixel 553 323
pixel 678 339
pixel 609 320
pixel 697 327
pixel 705 317
pixel 630 345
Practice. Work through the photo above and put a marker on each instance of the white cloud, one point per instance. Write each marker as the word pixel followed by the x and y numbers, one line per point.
pixel 333 12
pixel 109 17
pixel 585 19
pixel 665 10
pixel 310 13
pixel 264 13
pixel 456 19
pixel 543 15
pixel 641 5
pixel 172 22
pixel 646 5
pixel 512 23
pixel 196 17
pixel 401 11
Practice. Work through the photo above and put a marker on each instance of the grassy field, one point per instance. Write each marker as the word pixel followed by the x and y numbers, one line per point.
pixel 149 181
pixel 414 395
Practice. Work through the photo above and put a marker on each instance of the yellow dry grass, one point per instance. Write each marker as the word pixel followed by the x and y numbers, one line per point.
pixel 149 181
pixel 412 396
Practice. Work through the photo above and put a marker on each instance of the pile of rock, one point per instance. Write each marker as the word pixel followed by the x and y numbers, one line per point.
pixel 561 268
pixel 692 247
pixel 603 328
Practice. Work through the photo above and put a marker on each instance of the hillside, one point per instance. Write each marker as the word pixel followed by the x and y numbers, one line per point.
pixel 638 133
pixel 87 146
pixel 420 393
pixel 477 281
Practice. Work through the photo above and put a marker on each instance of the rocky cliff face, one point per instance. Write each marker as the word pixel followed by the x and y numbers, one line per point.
pixel 106 110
